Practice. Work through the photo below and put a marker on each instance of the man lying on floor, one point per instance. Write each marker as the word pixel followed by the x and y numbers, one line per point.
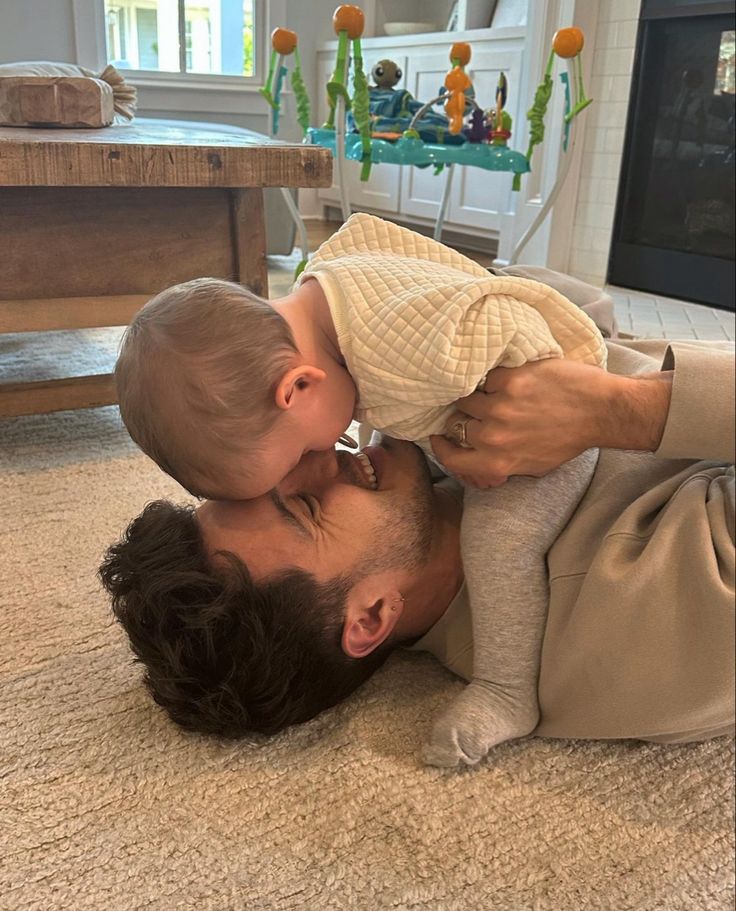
pixel 256 615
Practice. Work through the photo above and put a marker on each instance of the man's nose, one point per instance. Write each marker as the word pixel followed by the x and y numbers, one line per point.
pixel 314 471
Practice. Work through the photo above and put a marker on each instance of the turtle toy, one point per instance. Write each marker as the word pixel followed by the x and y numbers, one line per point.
pixel 386 74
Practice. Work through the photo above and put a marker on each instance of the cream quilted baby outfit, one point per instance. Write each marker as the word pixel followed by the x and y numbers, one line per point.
pixel 420 325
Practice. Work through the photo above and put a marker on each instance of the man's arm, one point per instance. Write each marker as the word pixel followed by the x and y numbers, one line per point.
pixel 533 418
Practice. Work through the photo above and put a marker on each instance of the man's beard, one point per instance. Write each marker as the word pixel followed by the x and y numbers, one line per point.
pixel 404 527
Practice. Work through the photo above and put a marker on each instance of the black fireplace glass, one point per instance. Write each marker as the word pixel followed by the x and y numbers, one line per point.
pixel 674 228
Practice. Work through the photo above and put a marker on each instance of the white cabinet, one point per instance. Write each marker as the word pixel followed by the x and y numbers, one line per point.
pixel 480 200
pixel 381 192
pixel 421 188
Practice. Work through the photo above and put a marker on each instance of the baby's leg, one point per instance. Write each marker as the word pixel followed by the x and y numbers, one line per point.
pixel 506 534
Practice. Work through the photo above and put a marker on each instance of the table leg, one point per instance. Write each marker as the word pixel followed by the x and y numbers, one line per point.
pixel 249 239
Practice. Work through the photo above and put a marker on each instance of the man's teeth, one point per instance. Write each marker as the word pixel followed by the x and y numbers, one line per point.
pixel 365 464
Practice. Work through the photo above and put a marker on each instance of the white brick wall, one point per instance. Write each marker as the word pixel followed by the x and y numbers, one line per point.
pixel 613 50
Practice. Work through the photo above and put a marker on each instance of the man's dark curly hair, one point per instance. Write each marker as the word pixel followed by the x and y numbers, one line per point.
pixel 222 654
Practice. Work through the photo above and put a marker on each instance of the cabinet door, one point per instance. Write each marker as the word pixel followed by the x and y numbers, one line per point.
pixel 421 188
pixel 381 191
pixel 481 199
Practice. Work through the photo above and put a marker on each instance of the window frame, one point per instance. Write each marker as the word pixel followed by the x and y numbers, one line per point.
pixel 91 43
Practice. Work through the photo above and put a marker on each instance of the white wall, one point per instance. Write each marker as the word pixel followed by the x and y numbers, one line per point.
pixel 312 21
pixel 613 62
pixel 37 30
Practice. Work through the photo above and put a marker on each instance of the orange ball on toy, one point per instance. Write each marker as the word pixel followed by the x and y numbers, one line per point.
pixel 457 80
pixel 350 19
pixel 460 51
pixel 568 42
pixel 283 41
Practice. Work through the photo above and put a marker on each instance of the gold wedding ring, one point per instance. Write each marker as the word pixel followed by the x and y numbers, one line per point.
pixel 459 431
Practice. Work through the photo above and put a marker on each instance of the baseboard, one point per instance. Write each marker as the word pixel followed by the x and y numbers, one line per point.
pixel 450 236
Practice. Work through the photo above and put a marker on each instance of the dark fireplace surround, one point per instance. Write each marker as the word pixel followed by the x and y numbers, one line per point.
pixel 674 227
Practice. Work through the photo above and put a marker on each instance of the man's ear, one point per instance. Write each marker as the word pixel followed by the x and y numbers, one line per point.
pixel 295 382
pixel 373 610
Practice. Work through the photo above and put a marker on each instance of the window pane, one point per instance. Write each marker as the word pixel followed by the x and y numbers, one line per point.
pixel 221 33
pixel 143 34
pixel 218 35
pixel 725 71
pixel 147 36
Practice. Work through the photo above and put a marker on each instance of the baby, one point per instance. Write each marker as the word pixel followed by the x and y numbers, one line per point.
pixel 226 392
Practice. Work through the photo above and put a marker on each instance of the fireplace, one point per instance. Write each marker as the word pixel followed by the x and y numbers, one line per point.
pixel 674 227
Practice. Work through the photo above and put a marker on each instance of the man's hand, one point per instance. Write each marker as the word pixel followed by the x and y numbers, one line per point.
pixel 531 419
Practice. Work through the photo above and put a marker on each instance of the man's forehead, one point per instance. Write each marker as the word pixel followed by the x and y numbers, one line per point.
pixel 233 514
pixel 255 530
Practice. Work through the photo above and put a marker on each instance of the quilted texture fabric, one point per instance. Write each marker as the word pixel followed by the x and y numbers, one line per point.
pixel 420 325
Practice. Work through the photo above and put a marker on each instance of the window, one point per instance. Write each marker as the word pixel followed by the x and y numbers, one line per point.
pixel 726 68
pixel 207 37
pixel 116 33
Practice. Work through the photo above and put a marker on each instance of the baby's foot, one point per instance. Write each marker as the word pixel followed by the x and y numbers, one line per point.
pixel 479 719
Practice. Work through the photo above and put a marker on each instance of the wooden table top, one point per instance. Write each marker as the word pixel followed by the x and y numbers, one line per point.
pixel 158 153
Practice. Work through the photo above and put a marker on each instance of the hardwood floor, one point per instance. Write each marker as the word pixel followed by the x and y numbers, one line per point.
pixel 319 231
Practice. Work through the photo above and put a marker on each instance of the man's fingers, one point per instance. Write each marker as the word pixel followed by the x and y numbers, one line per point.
pixel 458 460
pixel 467 431
pixel 478 405
pixel 467 464
pixel 497 378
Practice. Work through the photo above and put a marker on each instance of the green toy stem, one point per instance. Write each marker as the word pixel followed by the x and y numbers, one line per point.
pixel 535 114
pixel 266 90
pixel 271 69
pixel 550 63
pixel 361 108
pixel 336 86
pixel 581 100
pixel 303 111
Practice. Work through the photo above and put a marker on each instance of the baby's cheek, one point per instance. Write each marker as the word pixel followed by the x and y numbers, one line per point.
pixel 259 476
pixel 326 439
pixel 329 431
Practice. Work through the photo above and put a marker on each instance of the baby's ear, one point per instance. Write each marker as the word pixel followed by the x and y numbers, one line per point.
pixel 296 383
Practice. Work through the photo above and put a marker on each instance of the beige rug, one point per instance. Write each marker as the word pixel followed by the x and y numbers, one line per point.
pixel 105 805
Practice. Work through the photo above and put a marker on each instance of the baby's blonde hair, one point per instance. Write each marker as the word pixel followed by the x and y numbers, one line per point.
pixel 196 377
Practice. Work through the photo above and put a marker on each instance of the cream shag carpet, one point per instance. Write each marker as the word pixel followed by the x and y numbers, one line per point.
pixel 105 805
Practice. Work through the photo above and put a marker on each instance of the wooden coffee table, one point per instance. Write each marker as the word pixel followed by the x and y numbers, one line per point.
pixel 94 222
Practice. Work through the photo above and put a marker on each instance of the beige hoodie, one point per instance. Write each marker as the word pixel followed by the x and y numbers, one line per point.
pixel 639 641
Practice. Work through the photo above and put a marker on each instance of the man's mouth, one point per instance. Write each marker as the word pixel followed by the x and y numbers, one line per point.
pixel 368 470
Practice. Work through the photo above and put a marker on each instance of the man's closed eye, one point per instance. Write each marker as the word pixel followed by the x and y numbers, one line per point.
pixel 297 521
pixel 311 505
